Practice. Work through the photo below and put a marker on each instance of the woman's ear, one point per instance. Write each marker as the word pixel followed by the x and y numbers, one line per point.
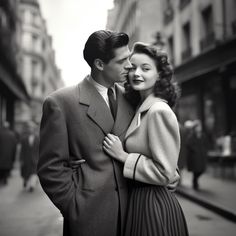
pixel 98 63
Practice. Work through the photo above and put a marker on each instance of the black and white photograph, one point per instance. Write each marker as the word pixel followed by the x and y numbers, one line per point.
pixel 117 117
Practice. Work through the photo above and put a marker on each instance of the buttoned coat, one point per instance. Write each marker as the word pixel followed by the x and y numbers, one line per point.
pixel 153 144
pixel 85 184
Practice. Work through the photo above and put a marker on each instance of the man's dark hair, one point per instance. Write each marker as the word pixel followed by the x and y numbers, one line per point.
pixel 101 45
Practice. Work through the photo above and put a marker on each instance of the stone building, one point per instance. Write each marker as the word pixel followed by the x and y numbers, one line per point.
pixel 36 61
pixel 140 19
pixel 200 37
pixel 12 88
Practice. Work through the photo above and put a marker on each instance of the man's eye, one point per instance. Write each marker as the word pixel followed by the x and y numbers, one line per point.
pixel 146 69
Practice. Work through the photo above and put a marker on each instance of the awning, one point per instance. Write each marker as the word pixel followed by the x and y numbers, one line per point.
pixel 221 55
pixel 14 84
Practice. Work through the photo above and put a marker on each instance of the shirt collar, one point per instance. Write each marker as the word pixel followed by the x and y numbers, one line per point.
pixel 100 88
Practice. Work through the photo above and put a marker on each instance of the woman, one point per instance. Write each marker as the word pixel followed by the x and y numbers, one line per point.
pixel 151 147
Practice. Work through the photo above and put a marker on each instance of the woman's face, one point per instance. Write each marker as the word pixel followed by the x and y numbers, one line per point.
pixel 143 74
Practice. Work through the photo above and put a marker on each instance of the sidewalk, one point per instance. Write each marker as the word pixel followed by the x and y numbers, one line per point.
pixel 215 193
pixel 26 213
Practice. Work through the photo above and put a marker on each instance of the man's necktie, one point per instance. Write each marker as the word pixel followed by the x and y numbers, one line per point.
pixel 112 102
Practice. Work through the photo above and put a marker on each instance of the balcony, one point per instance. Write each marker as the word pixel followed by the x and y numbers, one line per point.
pixel 186 54
pixel 183 4
pixel 208 41
pixel 168 15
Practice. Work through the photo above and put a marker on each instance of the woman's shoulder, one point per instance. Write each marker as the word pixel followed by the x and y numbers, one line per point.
pixel 162 110
pixel 160 105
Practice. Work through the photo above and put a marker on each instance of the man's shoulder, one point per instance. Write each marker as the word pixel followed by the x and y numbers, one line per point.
pixel 64 92
pixel 120 87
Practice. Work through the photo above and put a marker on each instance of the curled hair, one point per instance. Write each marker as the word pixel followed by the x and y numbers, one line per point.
pixel 165 88
pixel 101 45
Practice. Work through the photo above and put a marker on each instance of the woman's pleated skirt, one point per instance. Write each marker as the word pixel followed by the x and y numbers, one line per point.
pixel 154 210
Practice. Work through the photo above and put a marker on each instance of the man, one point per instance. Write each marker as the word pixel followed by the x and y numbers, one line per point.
pixel 29 157
pixel 8 144
pixel 85 184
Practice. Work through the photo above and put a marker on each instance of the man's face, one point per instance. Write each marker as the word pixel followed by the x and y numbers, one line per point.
pixel 116 70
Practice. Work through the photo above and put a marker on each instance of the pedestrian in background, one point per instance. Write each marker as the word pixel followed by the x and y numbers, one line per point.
pixel 8 144
pixel 197 147
pixel 29 157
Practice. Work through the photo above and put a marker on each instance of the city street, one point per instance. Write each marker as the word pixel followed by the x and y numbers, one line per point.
pixel 32 214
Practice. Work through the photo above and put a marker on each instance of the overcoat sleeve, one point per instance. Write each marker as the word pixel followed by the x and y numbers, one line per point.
pixel 163 141
pixel 56 177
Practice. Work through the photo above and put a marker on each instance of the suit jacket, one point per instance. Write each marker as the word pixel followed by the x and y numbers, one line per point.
pixel 85 184
pixel 153 144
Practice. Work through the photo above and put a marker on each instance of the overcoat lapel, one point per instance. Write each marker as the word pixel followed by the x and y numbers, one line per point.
pixel 122 120
pixel 98 110
pixel 145 106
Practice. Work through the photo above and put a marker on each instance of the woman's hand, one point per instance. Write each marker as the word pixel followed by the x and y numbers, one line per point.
pixel 113 146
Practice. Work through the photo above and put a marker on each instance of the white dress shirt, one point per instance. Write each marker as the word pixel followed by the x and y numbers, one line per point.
pixel 101 89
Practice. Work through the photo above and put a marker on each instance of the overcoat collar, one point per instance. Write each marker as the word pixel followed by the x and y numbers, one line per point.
pixel 99 112
pixel 145 106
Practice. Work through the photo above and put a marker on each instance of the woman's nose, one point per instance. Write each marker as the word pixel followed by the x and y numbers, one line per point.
pixel 137 72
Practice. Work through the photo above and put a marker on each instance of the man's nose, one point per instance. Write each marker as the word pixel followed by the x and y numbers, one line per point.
pixel 128 65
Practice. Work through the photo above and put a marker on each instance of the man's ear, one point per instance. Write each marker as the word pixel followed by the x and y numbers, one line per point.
pixel 99 64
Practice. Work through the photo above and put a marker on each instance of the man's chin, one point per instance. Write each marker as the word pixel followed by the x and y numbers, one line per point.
pixel 122 80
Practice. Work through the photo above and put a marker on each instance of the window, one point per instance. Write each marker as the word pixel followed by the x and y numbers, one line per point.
pixel 186 53
pixel 34 68
pixel 168 11
pixel 208 36
pixel 171 49
pixel 34 42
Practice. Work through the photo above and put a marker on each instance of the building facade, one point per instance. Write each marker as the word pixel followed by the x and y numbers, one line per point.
pixel 201 39
pixel 12 88
pixel 36 61
pixel 140 19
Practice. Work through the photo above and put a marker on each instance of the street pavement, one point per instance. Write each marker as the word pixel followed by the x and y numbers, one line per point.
pixel 215 192
pixel 32 214
pixel 25 213
pixel 203 222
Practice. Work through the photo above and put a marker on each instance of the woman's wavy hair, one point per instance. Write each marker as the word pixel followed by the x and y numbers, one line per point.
pixel 165 88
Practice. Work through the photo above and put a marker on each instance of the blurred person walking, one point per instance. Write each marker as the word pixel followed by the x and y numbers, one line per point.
pixel 197 147
pixel 29 152
pixel 8 144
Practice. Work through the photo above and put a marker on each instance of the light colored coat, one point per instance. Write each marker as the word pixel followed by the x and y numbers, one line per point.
pixel 85 184
pixel 153 144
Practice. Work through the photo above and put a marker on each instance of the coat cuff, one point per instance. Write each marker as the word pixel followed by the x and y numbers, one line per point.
pixel 130 165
